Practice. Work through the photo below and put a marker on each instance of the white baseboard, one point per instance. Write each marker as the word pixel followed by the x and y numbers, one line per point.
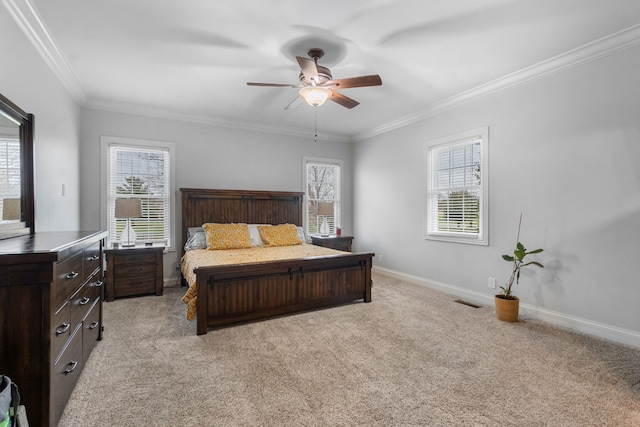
pixel 585 326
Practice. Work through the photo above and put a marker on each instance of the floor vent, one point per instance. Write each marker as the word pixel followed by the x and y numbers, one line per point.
pixel 459 301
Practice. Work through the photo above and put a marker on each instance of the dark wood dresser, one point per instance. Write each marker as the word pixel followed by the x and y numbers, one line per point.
pixel 51 293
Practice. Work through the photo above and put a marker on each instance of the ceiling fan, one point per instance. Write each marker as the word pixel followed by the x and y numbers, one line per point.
pixel 317 84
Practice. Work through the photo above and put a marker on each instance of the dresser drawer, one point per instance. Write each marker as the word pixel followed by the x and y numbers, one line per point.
pixel 135 285
pixel 90 330
pixel 65 373
pixel 96 286
pixel 81 302
pixel 91 259
pixel 136 258
pixel 60 329
pixel 68 278
pixel 122 270
pixel 341 245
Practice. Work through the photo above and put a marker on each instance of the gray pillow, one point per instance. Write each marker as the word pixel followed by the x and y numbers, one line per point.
pixel 197 240
pixel 193 230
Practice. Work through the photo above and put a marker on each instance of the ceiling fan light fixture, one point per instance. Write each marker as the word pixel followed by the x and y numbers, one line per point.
pixel 317 84
pixel 315 95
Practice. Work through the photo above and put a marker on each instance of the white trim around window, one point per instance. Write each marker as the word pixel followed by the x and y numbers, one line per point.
pixel 108 142
pixel 456 188
pixel 328 194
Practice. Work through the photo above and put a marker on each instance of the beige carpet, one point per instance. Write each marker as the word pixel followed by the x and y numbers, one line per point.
pixel 413 357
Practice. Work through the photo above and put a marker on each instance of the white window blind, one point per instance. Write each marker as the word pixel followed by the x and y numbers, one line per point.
pixel 10 181
pixel 323 188
pixel 456 189
pixel 141 173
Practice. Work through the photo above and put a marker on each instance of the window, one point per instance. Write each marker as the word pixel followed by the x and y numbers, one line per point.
pixel 140 170
pixel 323 210
pixel 10 181
pixel 457 188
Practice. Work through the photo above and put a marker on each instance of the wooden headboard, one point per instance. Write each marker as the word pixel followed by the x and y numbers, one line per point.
pixel 245 206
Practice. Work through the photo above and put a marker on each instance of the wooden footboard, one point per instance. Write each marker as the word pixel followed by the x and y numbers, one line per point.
pixel 239 293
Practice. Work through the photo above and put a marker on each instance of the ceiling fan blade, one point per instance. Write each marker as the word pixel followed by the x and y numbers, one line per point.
pixel 362 81
pixel 273 84
pixel 295 103
pixel 308 68
pixel 345 101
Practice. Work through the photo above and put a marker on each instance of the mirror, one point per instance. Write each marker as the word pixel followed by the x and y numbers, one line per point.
pixel 16 171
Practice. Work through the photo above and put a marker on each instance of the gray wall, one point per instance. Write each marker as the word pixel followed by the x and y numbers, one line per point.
pixel 564 150
pixel 207 157
pixel 29 82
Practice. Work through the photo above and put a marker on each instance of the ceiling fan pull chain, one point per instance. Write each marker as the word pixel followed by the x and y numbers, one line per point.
pixel 315 137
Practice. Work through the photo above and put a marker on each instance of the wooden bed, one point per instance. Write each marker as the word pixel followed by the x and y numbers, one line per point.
pixel 243 292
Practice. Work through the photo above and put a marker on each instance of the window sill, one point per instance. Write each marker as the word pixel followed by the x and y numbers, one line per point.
pixel 467 240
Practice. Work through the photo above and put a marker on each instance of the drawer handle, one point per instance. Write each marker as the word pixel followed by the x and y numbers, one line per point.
pixel 84 301
pixel 93 325
pixel 62 329
pixel 98 284
pixel 71 367
pixel 72 275
pixel 94 258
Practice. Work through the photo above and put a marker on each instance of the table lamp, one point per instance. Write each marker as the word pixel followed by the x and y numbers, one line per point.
pixel 325 210
pixel 128 208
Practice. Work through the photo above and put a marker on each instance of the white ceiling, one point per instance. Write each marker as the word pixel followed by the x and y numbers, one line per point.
pixel 192 58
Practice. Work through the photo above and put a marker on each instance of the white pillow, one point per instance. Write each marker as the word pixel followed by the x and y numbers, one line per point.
pixel 254 234
pixel 303 236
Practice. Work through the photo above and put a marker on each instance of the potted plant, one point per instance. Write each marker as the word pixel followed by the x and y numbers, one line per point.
pixel 507 304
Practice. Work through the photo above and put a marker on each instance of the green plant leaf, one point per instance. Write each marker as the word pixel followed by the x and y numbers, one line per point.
pixel 534 263
pixel 508 258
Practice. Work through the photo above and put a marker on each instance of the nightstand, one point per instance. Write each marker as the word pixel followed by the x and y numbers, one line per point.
pixel 134 271
pixel 341 243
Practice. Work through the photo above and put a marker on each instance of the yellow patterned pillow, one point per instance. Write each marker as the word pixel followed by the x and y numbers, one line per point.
pixel 227 236
pixel 279 235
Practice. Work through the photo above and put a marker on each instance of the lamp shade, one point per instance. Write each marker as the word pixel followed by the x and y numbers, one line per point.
pixel 11 209
pixel 325 209
pixel 128 208
pixel 315 95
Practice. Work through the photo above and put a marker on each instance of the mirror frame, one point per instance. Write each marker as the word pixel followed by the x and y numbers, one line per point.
pixel 25 121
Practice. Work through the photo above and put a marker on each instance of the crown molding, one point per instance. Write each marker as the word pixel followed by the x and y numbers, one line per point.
pixel 27 18
pixel 608 45
pixel 144 111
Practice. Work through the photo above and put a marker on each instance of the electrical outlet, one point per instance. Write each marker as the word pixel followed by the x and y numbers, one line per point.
pixel 379 256
pixel 492 282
